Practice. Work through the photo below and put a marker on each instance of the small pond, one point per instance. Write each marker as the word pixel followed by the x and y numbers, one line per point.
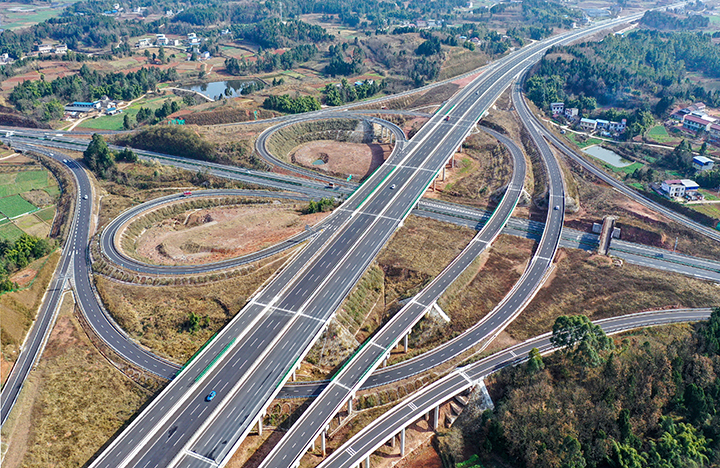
pixel 606 155
pixel 217 88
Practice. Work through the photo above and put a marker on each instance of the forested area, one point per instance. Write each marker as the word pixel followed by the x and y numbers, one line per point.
pixel 87 85
pixel 337 95
pixel 268 62
pixel 647 400
pixel 644 71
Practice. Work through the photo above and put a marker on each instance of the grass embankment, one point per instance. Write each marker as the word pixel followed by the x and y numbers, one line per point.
pixel 282 142
pixel 18 309
pixel 160 317
pixel 414 256
pixel 590 285
pixel 72 403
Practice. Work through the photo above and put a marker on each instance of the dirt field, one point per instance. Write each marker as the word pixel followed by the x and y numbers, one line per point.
pixel 356 159
pixel 71 404
pixel 214 234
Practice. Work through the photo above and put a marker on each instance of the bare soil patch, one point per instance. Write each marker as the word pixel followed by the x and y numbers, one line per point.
pixel 23 277
pixel 214 234
pixel 356 159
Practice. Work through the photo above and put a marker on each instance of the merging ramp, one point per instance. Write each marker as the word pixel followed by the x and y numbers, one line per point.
pixel 352 375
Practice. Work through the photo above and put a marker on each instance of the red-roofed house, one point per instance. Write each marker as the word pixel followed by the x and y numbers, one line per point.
pixel 695 123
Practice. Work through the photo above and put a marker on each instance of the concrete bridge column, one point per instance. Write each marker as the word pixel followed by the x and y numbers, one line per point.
pixel 367 461
pixel 323 448
pixel 350 405
pixel 259 424
pixel 436 417
pixel 392 441
pixel 402 443
pixel 406 342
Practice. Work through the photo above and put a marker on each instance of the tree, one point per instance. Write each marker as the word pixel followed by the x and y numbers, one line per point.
pixel 98 156
pixel 127 155
pixel 127 122
pixel 535 362
pixel 711 332
pixel 579 336
pixel 161 54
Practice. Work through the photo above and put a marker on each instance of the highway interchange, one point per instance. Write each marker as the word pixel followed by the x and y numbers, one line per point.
pixel 365 216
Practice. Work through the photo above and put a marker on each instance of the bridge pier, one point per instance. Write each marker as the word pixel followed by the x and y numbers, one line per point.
pixel 323 447
pixel 350 405
pixel 436 418
pixel 367 461
pixel 259 424
pixel 405 343
pixel 402 442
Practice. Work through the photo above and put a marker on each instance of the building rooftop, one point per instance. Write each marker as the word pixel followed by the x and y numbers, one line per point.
pixel 702 159
pixel 697 120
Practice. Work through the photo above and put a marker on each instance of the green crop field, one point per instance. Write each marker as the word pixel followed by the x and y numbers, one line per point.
pixel 15 205
pixel 46 214
pixel 10 232
pixel 23 181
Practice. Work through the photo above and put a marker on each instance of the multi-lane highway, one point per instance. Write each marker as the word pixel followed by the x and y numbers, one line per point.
pixel 364 361
pixel 294 308
pixel 412 408
pixel 403 174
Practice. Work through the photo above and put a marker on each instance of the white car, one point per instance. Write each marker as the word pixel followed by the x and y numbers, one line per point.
pixel 85 197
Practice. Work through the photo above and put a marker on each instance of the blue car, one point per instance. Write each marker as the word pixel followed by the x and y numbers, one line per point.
pixel 210 396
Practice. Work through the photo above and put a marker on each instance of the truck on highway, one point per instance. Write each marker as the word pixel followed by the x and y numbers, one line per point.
pixel 447 118
pixel 186 193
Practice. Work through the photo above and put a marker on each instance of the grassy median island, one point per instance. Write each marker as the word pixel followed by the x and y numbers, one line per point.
pixel 592 285
pixel 204 230
pixel 417 253
pixel 72 403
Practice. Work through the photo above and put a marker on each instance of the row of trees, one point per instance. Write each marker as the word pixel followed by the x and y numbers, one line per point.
pixel 337 95
pixel 292 105
pixel 268 61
